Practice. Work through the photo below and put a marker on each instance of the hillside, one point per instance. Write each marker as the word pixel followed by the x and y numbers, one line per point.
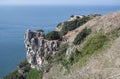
pixel 84 47
pixel 105 23
pixel 103 65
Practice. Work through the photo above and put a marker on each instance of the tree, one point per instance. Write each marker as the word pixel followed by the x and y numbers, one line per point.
pixel 54 35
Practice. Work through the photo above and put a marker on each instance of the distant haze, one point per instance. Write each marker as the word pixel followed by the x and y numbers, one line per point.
pixel 59 2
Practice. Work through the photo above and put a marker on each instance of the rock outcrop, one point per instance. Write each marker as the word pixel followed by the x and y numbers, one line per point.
pixel 60 26
pixel 38 48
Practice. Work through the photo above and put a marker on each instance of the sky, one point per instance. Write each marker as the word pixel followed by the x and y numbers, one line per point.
pixel 59 2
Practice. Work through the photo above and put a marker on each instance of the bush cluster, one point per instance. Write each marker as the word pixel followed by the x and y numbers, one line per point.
pixel 71 25
pixel 60 55
pixel 81 36
pixel 24 66
pixel 71 59
pixel 54 35
pixel 40 30
pixel 65 60
pixel 14 75
pixel 94 44
pixel 34 74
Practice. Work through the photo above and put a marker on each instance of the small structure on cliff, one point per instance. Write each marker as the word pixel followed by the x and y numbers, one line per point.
pixel 38 47
pixel 74 17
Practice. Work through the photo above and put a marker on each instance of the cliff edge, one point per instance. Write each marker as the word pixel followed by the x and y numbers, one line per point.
pixel 38 48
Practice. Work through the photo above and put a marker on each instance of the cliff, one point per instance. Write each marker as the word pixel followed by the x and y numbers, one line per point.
pixel 38 48
pixel 93 60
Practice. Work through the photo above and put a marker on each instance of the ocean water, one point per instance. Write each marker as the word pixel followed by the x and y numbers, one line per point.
pixel 14 20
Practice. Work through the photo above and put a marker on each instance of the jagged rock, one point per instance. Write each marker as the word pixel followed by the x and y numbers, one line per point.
pixel 28 36
pixel 38 47
pixel 59 26
pixel 70 50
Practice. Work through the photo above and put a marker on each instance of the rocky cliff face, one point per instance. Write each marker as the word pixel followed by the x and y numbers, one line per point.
pixel 38 47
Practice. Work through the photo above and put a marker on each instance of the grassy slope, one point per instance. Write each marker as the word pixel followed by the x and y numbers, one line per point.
pixel 102 65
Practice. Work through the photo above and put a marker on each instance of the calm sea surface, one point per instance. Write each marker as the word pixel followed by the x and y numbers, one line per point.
pixel 15 20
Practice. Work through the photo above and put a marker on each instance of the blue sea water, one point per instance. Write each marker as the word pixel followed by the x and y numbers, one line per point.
pixel 14 20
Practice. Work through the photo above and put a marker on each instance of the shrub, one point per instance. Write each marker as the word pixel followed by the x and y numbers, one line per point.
pixel 81 36
pixel 94 44
pixel 34 74
pixel 14 75
pixel 23 63
pixel 115 33
pixel 70 60
pixel 49 58
pixel 40 30
pixel 74 57
pixel 54 35
pixel 24 66
pixel 71 25
pixel 46 67
pixel 60 55
pixel 66 60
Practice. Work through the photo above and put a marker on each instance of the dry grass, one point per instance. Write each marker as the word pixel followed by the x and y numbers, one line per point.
pixel 106 64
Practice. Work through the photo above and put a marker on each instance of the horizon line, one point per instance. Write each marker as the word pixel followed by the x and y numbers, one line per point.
pixel 58 5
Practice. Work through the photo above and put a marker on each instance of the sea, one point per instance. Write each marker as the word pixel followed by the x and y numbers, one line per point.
pixel 15 20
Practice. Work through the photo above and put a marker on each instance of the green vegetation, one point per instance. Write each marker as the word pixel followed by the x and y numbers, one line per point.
pixel 115 33
pixel 71 59
pixel 25 72
pixel 74 57
pixel 58 58
pixel 34 74
pixel 91 47
pixel 81 36
pixel 60 55
pixel 24 67
pixel 71 25
pixel 14 75
pixel 23 64
pixel 40 30
pixel 54 35
pixel 66 60
pixel 94 44
pixel 49 58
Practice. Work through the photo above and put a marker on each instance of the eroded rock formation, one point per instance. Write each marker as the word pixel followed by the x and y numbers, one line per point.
pixel 38 47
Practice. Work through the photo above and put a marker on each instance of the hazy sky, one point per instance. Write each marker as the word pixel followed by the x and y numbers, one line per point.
pixel 59 2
